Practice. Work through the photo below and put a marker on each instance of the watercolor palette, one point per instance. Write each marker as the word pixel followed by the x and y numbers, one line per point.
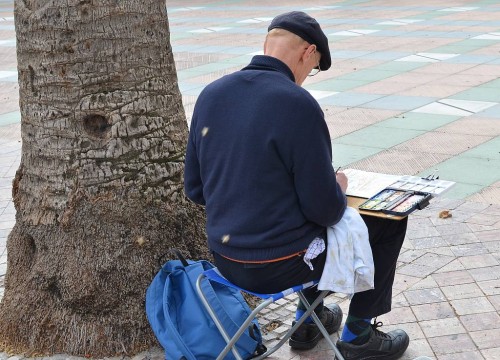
pixel 432 186
pixel 397 201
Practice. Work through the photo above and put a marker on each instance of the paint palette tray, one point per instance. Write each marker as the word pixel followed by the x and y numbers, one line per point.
pixel 395 201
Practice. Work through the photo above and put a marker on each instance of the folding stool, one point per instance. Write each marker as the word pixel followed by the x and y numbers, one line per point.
pixel 214 275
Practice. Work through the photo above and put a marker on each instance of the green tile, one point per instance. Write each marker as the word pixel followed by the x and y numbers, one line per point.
pixel 470 170
pixel 453 49
pixel 212 67
pixel 479 94
pixel 378 137
pixel 344 154
pixel 238 60
pixel 489 150
pixel 418 121
pixel 335 39
pixel 337 85
pixel 179 36
pixel 13 117
pixel 461 191
pixel 477 43
pixel 491 84
pixel 368 75
pixel 464 46
pixel 188 74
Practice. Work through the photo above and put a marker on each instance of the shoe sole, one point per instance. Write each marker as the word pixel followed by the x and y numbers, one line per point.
pixel 305 345
pixel 384 357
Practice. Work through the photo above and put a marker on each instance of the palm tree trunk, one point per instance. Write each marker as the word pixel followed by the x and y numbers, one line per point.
pixel 99 192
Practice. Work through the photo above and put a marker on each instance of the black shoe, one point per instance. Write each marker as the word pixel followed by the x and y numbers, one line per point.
pixel 380 346
pixel 307 335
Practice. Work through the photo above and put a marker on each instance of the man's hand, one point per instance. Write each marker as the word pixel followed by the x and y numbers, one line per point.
pixel 342 181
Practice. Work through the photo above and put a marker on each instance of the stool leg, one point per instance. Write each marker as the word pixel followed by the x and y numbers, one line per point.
pixel 230 341
pixel 309 310
pixel 321 328
pixel 243 327
pixel 211 312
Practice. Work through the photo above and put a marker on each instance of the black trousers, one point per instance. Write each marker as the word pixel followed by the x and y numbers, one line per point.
pixel 386 239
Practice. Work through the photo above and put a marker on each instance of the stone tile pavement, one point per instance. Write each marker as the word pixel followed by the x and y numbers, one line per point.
pixel 414 89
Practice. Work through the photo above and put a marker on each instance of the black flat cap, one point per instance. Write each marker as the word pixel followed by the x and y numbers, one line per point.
pixel 307 28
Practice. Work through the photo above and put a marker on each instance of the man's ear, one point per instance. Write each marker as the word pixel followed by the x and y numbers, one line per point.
pixel 310 50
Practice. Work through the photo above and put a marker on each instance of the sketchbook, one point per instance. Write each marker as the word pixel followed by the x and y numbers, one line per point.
pixel 366 184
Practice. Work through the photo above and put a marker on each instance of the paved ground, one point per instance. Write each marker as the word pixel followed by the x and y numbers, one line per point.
pixel 414 89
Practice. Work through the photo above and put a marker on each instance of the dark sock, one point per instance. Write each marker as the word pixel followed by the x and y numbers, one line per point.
pixel 356 330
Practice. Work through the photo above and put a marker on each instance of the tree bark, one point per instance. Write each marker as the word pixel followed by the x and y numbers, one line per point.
pixel 99 192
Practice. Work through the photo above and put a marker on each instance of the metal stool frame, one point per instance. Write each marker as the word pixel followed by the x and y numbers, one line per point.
pixel 214 275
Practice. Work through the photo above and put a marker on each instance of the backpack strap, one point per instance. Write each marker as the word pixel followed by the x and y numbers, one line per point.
pixel 163 258
pixel 180 256
pixel 159 319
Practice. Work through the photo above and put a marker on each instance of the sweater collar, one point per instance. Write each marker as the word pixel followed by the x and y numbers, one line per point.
pixel 265 62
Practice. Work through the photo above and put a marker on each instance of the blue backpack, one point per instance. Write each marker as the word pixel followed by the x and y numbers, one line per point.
pixel 180 322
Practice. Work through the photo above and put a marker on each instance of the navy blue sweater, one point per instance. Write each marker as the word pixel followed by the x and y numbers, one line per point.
pixel 259 159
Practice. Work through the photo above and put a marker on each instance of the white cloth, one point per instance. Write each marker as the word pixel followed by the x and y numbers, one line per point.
pixel 349 264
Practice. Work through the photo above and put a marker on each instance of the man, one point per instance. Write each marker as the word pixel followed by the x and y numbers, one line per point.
pixel 259 159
